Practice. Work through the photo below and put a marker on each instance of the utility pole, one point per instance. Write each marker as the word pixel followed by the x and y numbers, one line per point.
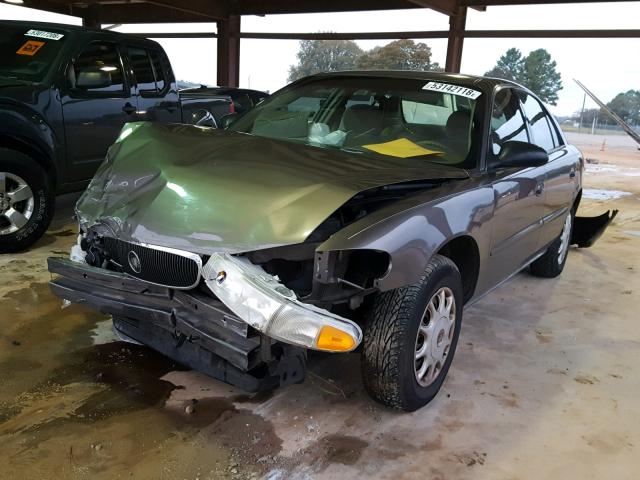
pixel 584 99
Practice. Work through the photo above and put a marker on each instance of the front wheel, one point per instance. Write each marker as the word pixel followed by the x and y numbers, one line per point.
pixel 26 201
pixel 410 337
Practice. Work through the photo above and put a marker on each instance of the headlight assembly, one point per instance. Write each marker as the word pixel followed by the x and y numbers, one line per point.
pixel 271 308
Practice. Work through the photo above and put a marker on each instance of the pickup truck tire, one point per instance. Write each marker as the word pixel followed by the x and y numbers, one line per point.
pixel 27 202
pixel 403 324
pixel 551 264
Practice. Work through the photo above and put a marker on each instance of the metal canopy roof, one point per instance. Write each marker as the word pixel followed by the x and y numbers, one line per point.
pixel 227 15
pixel 171 11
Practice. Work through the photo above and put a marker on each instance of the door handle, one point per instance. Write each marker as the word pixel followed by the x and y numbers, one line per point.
pixel 539 188
pixel 129 109
pixel 572 173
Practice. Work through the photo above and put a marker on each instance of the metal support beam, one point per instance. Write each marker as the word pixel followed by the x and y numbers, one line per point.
pixel 229 51
pixel 410 34
pixel 493 3
pixel 446 7
pixel 91 16
pixel 457 25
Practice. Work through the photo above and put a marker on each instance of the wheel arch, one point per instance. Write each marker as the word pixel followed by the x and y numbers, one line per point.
pixel 463 251
pixel 31 150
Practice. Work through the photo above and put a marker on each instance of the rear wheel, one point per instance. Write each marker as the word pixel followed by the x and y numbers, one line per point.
pixel 410 337
pixel 26 201
pixel 551 264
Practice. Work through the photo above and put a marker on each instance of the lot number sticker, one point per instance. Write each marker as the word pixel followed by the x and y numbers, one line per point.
pixel 30 48
pixel 453 89
pixel 43 34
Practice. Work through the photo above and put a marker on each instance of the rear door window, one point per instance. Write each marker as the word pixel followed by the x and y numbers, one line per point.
pixel 142 69
pixel 148 70
pixel 540 124
pixel 159 70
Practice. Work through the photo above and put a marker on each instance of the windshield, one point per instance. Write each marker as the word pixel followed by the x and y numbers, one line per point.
pixel 27 54
pixel 384 116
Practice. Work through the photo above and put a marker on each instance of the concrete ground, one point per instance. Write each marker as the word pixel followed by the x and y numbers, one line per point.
pixel 544 385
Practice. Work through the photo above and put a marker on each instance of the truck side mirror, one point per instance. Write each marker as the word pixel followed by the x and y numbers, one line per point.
pixel 90 78
pixel 515 154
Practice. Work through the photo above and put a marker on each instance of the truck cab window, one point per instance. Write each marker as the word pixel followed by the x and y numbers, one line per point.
pixel 97 69
pixel 142 69
pixel 159 70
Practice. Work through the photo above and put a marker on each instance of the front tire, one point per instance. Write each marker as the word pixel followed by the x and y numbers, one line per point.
pixel 551 264
pixel 26 201
pixel 410 337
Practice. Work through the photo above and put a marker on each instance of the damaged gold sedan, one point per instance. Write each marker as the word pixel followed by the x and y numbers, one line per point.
pixel 352 211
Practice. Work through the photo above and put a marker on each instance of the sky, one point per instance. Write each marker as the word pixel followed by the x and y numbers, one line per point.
pixel 605 66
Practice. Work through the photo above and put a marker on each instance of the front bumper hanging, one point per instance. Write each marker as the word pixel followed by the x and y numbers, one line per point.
pixel 191 327
pixel 586 230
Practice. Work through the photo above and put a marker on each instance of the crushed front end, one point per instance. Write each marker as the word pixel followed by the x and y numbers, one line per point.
pixel 219 314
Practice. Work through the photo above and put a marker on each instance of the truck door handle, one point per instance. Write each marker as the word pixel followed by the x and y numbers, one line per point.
pixel 539 188
pixel 129 109
pixel 572 173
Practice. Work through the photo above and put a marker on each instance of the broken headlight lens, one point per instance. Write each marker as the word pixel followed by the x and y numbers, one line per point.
pixel 268 306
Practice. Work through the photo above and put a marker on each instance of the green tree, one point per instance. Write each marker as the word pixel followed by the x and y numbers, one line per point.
pixel 315 56
pixel 399 55
pixel 627 105
pixel 537 71
pixel 509 66
pixel 540 76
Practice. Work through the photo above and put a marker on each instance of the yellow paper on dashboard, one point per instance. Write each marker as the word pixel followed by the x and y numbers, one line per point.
pixel 402 148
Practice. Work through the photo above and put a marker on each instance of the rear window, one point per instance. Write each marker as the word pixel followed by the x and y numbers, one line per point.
pixel 27 54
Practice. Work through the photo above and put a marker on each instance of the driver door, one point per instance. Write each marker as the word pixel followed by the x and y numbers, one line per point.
pixel 94 114
pixel 518 193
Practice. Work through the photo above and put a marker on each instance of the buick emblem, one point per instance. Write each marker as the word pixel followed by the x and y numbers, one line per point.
pixel 134 261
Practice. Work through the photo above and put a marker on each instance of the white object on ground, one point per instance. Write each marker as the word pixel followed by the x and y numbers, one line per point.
pixel 600 194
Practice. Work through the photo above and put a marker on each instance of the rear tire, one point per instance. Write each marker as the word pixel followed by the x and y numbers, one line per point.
pixel 27 202
pixel 409 331
pixel 551 264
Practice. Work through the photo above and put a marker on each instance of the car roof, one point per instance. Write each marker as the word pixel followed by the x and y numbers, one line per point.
pixel 485 84
pixel 76 29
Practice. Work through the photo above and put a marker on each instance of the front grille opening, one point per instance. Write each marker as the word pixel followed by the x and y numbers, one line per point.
pixel 154 265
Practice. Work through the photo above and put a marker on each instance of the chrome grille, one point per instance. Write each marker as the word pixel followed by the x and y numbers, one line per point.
pixel 155 264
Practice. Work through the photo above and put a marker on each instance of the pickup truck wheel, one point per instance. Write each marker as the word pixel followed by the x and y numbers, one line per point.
pixel 26 201
pixel 551 264
pixel 410 337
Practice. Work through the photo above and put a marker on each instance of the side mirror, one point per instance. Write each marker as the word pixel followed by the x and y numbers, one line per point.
pixel 516 154
pixel 203 118
pixel 89 78
pixel 227 120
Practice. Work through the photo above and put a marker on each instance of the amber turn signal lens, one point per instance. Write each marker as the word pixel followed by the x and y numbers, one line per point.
pixel 334 340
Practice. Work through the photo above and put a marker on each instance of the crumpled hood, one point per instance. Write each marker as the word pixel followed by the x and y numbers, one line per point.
pixel 206 190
